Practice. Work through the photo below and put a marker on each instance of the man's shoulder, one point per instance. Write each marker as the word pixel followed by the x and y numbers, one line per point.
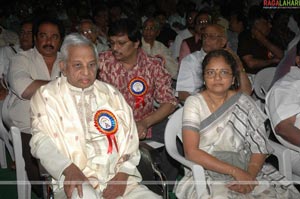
pixel 197 55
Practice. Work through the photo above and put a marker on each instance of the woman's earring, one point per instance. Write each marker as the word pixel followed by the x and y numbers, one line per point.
pixel 204 83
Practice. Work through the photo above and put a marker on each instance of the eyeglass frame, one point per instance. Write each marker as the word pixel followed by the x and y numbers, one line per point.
pixel 223 73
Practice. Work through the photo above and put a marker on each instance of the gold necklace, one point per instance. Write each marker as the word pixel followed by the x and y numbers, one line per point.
pixel 213 103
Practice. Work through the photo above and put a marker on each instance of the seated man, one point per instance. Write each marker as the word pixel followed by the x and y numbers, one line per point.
pixel 83 130
pixel 282 103
pixel 155 48
pixel 142 80
pixel 254 46
pixel 190 80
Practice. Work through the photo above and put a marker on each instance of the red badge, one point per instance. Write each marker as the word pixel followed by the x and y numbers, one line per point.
pixel 138 87
pixel 106 123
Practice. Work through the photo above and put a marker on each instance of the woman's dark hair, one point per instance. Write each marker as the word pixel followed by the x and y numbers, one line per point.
pixel 126 27
pixel 229 59
pixel 298 49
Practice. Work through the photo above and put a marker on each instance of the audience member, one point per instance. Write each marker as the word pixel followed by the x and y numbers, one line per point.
pixel 166 34
pixel 194 43
pixel 255 48
pixel 90 30
pixel 237 24
pixel 26 42
pixel 101 18
pixel 178 19
pixel 282 103
pixel 155 48
pixel 8 37
pixel 142 80
pixel 84 132
pixel 218 128
pixel 184 34
pixel 280 33
pixel 189 79
pixel 27 72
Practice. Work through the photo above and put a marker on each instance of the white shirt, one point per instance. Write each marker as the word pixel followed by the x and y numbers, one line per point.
pixel 190 72
pixel 283 99
pixel 159 48
pixel 24 68
pixel 6 53
pixel 182 35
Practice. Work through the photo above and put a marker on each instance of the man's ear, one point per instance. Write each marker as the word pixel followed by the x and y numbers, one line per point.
pixel 62 67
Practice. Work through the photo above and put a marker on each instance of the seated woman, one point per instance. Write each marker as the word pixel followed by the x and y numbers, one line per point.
pixel 224 132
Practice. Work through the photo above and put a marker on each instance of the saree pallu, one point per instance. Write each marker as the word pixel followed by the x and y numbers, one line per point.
pixel 236 127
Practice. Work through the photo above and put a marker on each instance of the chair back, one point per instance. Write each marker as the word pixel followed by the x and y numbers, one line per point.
pixel 172 131
pixel 5 111
pixel 23 185
pixel 262 82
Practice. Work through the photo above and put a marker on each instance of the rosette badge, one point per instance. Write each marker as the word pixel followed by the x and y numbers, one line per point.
pixel 138 88
pixel 107 124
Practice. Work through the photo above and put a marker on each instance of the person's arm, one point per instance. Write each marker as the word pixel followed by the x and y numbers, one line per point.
pixel 184 51
pixel 245 84
pixel 164 110
pixel 288 131
pixel 32 88
pixel 278 53
pixel 254 63
pixel 182 95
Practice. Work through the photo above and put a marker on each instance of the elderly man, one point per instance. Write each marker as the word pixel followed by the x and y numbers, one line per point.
pixel 27 72
pixel 142 80
pixel 155 48
pixel 91 31
pixel 189 79
pixel 84 132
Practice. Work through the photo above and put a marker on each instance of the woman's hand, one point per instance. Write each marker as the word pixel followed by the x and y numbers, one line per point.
pixel 244 183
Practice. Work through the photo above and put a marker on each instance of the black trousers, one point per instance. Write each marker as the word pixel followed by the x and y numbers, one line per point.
pixel 31 166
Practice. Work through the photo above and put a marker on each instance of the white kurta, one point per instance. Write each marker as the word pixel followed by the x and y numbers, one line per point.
pixel 64 132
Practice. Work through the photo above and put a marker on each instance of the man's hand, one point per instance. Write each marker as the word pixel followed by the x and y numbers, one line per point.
pixel 116 186
pixel 142 129
pixel 74 178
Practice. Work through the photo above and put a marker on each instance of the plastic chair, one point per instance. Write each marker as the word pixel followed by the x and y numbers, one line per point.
pixel 173 130
pixel 262 82
pixel 283 151
pixel 23 185
pixel 5 140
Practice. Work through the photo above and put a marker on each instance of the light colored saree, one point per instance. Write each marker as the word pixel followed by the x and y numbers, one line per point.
pixel 237 127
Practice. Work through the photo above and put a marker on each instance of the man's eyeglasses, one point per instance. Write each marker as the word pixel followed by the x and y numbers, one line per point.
pixel 150 28
pixel 120 44
pixel 87 32
pixel 224 74
pixel 202 22
pixel 212 36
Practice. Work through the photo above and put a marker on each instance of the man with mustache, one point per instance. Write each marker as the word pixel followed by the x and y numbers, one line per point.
pixel 28 71
pixel 141 79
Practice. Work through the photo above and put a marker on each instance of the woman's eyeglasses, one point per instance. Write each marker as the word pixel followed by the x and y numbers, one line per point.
pixel 224 74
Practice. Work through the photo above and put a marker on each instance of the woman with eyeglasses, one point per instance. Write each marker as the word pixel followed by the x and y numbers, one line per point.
pixel 223 131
